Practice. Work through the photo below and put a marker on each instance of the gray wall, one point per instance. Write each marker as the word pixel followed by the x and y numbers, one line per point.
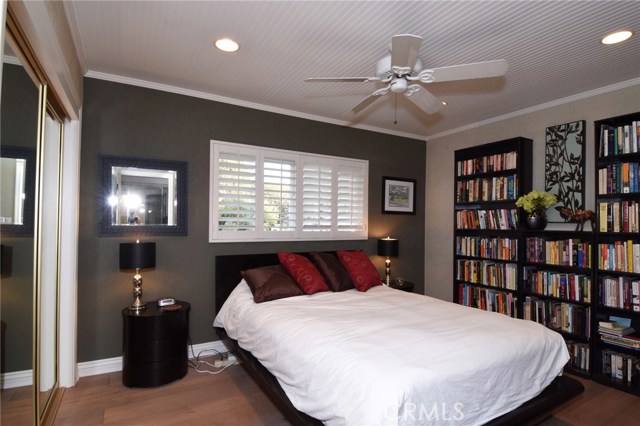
pixel 126 120
pixel 440 169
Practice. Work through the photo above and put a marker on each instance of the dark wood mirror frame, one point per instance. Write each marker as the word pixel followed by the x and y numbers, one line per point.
pixel 29 154
pixel 107 229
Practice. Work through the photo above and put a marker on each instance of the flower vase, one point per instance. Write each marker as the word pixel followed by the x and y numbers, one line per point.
pixel 537 220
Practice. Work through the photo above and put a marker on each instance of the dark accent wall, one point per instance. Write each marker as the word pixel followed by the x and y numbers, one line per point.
pixel 119 119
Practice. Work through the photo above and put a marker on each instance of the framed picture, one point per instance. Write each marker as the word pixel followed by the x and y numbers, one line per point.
pixel 564 166
pixel 398 195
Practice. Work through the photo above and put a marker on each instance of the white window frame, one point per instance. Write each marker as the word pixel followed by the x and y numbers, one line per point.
pixel 259 234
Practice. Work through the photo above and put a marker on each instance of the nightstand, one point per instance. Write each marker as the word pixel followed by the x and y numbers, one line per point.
pixel 406 286
pixel 154 345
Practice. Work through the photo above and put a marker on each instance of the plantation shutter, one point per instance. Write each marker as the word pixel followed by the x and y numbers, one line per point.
pixel 351 197
pixel 279 194
pixel 265 194
pixel 236 192
pixel 317 205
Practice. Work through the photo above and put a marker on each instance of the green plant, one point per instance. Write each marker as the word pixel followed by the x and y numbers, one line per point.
pixel 536 201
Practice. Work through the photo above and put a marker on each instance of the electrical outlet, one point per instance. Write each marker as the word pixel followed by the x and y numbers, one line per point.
pixel 222 363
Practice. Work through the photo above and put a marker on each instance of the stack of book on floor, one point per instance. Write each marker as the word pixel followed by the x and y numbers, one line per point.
pixel 618 331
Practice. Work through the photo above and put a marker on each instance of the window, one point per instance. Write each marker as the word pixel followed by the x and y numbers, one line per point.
pixel 269 194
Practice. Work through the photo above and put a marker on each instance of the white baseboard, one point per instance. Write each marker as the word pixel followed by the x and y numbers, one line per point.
pixel 101 366
pixel 15 379
pixel 110 365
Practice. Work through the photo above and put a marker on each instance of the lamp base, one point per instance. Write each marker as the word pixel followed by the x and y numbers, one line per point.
pixel 387 271
pixel 137 305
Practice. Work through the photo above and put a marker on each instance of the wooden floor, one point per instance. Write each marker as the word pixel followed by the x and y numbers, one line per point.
pixel 232 398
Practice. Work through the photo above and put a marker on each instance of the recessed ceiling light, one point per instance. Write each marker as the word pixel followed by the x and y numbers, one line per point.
pixel 617 37
pixel 227 45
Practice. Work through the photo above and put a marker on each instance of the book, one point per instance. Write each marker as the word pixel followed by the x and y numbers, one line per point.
pixel 621 341
pixel 602 216
pixel 620 321
pixel 622 331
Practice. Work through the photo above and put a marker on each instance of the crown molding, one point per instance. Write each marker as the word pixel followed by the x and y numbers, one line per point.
pixel 546 105
pixel 6 59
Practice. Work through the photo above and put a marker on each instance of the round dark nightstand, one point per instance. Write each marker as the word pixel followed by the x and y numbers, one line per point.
pixel 154 345
pixel 405 286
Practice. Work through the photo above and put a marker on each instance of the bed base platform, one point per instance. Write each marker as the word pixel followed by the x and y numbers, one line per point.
pixel 228 275
pixel 531 412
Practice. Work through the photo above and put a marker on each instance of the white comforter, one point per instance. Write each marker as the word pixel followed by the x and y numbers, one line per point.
pixel 387 357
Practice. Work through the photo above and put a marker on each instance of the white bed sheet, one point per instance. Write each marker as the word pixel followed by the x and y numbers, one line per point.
pixel 388 357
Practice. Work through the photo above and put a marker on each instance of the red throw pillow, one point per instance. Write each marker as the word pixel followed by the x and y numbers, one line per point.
pixel 362 272
pixel 303 272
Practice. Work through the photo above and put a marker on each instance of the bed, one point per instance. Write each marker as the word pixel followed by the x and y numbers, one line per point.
pixel 430 399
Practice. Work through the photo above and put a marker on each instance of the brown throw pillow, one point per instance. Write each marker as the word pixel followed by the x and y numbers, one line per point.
pixel 334 273
pixel 270 283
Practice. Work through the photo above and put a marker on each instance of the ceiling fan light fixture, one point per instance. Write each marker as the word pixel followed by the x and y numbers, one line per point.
pixel 398 85
pixel 616 37
pixel 227 45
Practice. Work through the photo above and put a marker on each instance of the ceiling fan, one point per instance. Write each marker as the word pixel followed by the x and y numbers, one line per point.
pixel 401 69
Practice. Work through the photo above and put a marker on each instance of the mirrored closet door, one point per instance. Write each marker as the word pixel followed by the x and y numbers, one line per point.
pixel 20 106
pixel 31 146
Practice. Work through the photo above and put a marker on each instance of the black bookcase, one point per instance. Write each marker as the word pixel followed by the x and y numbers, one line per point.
pixel 617 272
pixel 558 289
pixel 489 179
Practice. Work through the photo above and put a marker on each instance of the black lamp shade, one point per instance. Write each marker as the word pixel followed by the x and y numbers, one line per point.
pixel 389 247
pixel 137 255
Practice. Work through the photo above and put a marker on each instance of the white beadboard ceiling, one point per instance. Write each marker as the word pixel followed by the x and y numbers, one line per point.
pixel 552 48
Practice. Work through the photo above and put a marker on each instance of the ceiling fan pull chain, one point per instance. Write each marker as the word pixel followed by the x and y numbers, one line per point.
pixel 395 110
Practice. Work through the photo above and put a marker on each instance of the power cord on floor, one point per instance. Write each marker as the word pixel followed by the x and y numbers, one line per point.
pixel 221 364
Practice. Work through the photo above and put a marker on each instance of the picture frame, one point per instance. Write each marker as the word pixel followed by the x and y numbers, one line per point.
pixel 398 195
pixel 564 167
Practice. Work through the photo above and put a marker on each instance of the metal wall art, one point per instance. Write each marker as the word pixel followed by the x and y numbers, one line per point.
pixel 564 166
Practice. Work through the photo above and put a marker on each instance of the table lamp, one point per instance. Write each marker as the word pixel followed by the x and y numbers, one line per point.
pixel 137 256
pixel 388 247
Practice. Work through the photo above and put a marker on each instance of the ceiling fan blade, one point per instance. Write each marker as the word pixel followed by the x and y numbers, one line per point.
pixel 404 52
pixel 365 103
pixel 423 99
pixel 495 68
pixel 341 79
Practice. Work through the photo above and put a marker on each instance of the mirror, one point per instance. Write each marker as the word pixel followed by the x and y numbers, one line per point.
pixel 143 197
pixel 19 107
pixel 17 190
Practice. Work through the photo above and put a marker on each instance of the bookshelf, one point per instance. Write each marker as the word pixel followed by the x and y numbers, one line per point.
pixel 489 179
pixel 557 287
pixel 617 272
